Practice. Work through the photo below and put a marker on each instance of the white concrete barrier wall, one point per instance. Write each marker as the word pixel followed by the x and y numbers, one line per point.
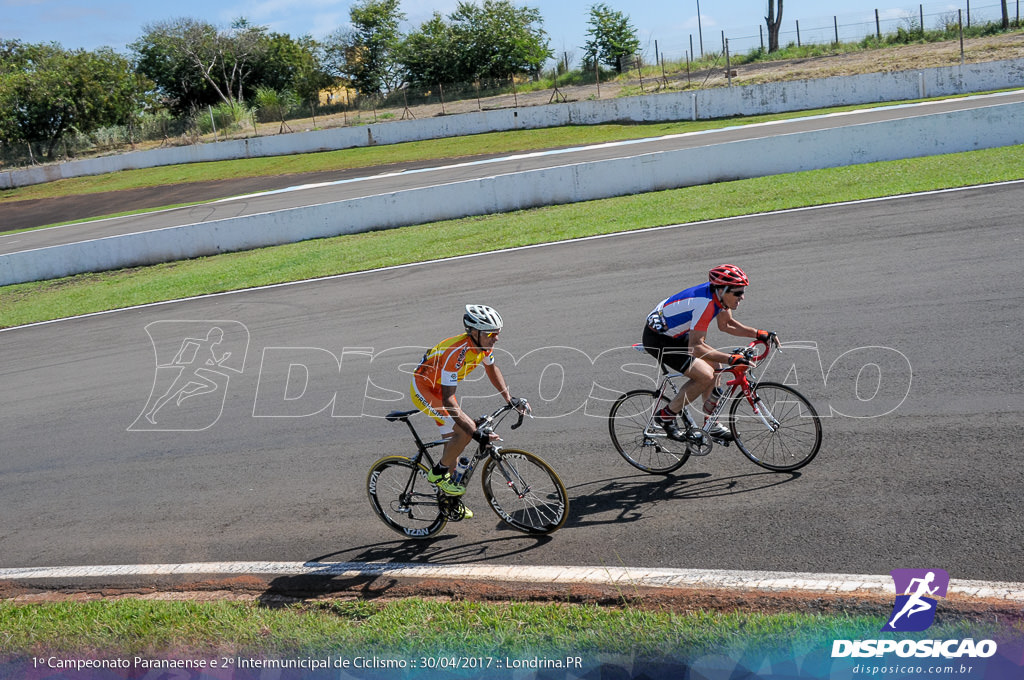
pixel 713 103
pixel 986 127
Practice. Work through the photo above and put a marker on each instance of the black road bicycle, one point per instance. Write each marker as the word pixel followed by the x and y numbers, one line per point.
pixel 772 424
pixel 521 488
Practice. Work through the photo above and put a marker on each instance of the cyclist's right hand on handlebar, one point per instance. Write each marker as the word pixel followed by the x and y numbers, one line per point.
pixel 520 404
pixel 483 436
pixel 739 359
pixel 769 338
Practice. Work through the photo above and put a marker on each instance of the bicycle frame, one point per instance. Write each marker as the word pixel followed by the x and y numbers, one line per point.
pixel 740 382
pixel 484 450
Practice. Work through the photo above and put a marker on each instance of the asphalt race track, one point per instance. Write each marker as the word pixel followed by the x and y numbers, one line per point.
pixel 902 319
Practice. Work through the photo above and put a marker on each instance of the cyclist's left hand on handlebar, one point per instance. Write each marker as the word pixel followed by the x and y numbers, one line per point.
pixel 769 337
pixel 521 405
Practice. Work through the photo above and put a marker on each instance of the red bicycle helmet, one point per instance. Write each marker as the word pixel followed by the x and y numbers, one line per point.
pixel 727 275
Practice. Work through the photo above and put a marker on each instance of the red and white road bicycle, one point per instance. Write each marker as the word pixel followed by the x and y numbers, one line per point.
pixel 772 424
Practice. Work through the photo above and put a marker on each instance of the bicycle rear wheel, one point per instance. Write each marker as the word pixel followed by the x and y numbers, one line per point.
pixel 525 492
pixel 785 436
pixel 638 439
pixel 403 498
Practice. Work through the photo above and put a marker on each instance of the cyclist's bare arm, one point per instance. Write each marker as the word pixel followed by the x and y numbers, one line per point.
pixel 702 350
pixel 727 323
pixel 498 380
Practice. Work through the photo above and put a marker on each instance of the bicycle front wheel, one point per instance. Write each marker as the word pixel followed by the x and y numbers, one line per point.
pixel 525 492
pixel 638 439
pixel 783 435
pixel 403 498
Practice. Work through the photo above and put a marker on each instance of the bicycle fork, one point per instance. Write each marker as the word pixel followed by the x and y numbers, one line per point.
pixel 760 410
pixel 519 487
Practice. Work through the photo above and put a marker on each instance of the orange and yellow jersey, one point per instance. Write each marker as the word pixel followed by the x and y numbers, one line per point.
pixel 447 363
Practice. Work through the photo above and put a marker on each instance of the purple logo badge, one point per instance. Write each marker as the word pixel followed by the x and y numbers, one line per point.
pixel 916 593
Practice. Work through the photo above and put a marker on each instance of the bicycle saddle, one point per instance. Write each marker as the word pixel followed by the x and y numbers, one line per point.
pixel 399 415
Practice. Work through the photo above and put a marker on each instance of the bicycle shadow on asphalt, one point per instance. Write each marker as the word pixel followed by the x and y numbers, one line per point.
pixel 398 553
pixel 627 496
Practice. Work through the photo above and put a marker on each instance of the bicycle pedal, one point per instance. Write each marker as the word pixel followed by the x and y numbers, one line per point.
pixel 696 437
pixel 452 508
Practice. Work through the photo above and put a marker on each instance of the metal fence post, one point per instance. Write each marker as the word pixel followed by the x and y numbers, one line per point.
pixel 728 64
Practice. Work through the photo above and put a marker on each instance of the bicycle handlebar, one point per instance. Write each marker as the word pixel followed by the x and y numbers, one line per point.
pixel 750 353
pixel 488 420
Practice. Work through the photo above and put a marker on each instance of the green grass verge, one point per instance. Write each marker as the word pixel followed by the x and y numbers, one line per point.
pixel 414 626
pixel 41 301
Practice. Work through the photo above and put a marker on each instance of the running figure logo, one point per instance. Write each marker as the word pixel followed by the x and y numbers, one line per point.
pixel 915 607
pixel 194 363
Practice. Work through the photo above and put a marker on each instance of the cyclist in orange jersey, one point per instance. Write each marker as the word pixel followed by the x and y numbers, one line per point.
pixel 436 379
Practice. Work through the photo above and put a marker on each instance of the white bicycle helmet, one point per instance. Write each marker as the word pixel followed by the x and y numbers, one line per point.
pixel 482 318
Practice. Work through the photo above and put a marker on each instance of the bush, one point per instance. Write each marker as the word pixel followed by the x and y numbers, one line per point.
pixel 226 117
pixel 273 106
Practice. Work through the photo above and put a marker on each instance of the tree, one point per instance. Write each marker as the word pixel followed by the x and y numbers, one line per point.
pixel 367 52
pixel 291 65
pixel 498 39
pixel 47 91
pixel 774 22
pixel 178 80
pixel 611 37
pixel 430 54
pixel 1006 16
pixel 242 47
pixel 493 40
pixel 188 59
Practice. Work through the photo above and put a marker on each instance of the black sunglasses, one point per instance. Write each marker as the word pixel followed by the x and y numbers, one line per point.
pixel 738 292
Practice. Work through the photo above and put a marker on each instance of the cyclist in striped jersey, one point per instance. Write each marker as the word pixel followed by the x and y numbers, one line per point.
pixel 675 335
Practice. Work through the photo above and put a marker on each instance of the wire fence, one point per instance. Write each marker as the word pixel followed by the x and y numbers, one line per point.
pixel 342 107
pixel 837 28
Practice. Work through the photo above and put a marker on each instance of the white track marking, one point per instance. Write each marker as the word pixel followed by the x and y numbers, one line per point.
pixel 618 576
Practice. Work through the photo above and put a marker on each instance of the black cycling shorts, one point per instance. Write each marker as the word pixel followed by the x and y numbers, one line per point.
pixel 673 353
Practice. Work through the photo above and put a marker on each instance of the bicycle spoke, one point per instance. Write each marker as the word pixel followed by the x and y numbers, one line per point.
pixel 525 492
pixel 638 439
pixel 785 436
pixel 402 498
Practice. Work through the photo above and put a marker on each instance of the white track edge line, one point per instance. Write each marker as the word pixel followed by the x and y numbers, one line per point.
pixel 600 575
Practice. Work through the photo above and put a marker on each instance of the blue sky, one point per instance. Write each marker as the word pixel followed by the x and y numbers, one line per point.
pixel 89 25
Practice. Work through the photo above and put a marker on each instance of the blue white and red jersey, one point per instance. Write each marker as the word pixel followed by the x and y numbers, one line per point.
pixel 690 309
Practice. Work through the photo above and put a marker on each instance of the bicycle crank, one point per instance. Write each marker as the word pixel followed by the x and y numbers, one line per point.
pixel 697 443
pixel 451 507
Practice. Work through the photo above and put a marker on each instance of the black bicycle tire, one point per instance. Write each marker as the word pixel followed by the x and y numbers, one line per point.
pixel 761 389
pixel 435 524
pixel 490 468
pixel 617 438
